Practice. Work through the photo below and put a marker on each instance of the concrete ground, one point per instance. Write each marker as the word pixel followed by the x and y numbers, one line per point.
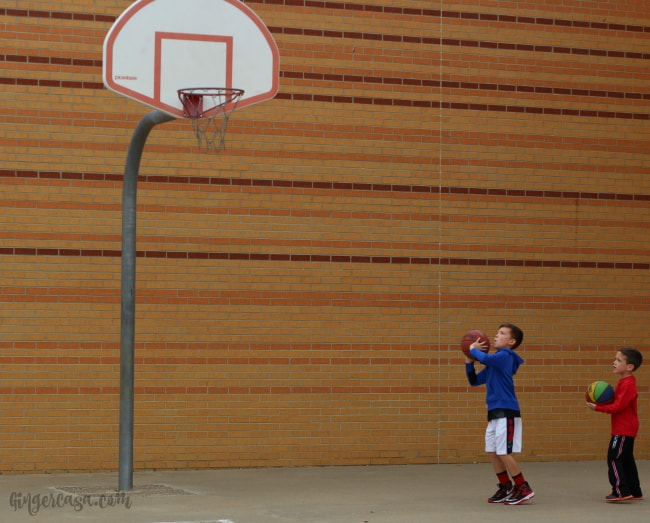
pixel 565 492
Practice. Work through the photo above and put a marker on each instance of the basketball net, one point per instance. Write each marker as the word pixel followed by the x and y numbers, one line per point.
pixel 209 109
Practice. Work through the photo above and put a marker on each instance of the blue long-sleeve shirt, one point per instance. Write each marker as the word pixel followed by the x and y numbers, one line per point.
pixel 497 377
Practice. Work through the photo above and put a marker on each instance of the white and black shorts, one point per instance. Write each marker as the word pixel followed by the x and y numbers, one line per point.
pixel 503 435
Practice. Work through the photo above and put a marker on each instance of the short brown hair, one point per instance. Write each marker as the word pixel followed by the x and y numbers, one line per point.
pixel 516 333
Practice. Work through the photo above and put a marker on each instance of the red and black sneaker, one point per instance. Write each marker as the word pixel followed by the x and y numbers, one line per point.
pixel 521 494
pixel 502 494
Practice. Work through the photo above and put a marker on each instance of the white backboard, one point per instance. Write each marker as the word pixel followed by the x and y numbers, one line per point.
pixel 157 47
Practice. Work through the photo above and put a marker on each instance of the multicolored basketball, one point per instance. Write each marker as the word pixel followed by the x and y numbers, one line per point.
pixel 470 337
pixel 600 393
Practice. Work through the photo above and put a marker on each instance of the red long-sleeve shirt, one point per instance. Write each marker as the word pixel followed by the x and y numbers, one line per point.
pixel 625 419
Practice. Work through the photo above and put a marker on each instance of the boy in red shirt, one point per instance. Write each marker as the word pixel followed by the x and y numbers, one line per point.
pixel 623 474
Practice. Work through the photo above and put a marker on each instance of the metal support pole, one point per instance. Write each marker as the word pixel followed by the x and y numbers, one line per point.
pixel 127 321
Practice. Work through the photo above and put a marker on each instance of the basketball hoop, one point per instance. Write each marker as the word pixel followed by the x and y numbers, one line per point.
pixel 209 109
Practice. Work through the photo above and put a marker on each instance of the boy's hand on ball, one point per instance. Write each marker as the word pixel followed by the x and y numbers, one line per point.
pixel 480 345
pixel 592 406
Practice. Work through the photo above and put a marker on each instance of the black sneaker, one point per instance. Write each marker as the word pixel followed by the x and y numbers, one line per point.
pixel 502 494
pixel 521 494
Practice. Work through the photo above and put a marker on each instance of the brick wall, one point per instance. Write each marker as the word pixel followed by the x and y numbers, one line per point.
pixel 426 168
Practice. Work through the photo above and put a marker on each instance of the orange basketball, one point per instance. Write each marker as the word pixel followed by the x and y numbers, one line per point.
pixel 470 337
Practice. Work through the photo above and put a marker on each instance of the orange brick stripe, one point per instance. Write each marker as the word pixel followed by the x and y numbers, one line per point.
pixel 353 187
pixel 276 390
pixel 372 100
pixel 294 154
pixel 238 390
pixel 392 10
pixel 293 352
pixel 312 130
pixel 301 244
pixel 410 12
pixel 347 6
pixel 464 15
pixel 233 360
pixel 457 42
pixel 351 77
pixel 332 258
pixel 63 84
pixel 335 76
pixel 415 103
pixel 461 106
pixel 288 389
pixel 57 360
pixel 324 299
pixel 51 60
pixel 56 15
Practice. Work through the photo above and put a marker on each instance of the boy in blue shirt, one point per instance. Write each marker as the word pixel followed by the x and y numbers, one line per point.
pixel 503 434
